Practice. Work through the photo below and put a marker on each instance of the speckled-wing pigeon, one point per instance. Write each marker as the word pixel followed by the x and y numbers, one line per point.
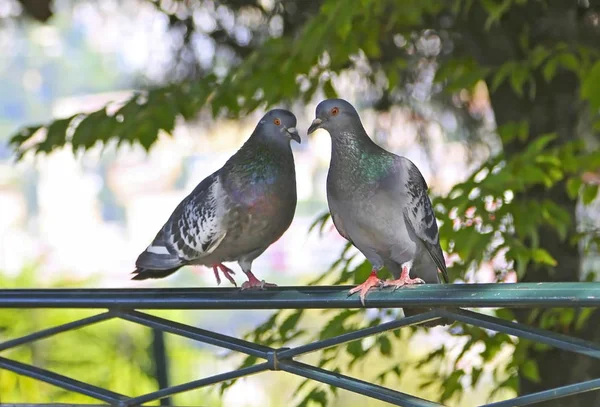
pixel 378 201
pixel 234 214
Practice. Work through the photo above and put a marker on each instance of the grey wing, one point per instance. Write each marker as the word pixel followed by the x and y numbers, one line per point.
pixel 420 217
pixel 193 230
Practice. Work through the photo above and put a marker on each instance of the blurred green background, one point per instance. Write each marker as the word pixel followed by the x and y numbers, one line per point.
pixel 112 111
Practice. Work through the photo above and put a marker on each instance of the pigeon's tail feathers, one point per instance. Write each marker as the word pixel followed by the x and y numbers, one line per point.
pixel 144 274
pixel 157 257
pixel 435 251
pixel 157 261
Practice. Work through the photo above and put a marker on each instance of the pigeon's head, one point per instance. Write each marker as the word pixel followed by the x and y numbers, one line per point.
pixel 279 124
pixel 334 114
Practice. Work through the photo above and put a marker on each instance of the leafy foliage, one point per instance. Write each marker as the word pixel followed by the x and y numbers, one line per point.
pixel 112 354
pixel 543 85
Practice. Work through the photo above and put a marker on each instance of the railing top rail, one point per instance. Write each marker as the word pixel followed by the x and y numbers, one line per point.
pixel 311 297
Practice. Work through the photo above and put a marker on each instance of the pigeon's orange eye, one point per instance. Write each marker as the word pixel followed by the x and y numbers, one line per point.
pixel 335 111
pixel 277 122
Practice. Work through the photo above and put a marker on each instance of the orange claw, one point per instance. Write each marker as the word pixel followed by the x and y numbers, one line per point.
pixel 403 280
pixel 254 282
pixel 371 282
pixel 227 272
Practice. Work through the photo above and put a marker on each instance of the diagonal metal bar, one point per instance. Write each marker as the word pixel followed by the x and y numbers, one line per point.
pixel 61 381
pixel 56 330
pixel 552 394
pixel 354 385
pixel 247 371
pixel 581 294
pixel 523 331
pixel 198 334
pixel 361 333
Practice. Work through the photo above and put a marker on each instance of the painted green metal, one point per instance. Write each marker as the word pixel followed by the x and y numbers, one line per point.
pixel 445 301
pixel 311 297
pixel 551 394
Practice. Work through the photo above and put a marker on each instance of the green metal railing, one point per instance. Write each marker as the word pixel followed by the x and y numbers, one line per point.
pixel 445 301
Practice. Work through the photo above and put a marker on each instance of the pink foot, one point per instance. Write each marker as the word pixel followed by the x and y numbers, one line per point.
pixel 403 280
pixel 227 272
pixel 371 282
pixel 255 283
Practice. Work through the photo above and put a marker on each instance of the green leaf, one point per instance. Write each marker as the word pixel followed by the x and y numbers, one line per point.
pixel 519 74
pixel 502 73
pixel 56 135
pixel 385 346
pixel 495 11
pixel 452 385
pixel 538 55
pixel 536 146
pixel 529 369
pixel 355 348
pixel 582 318
pixel 475 375
pixel 23 135
pixel 506 314
pixel 569 61
pixel 316 395
pixel 542 256
pixel 96 126
pixel 521 257
pixel 589 194
pixel 573 186
pixel 290 323
pixel 511 130
pixel 590 87
pixel 550 69
pixel 320 221
pixel 329 90
pixel 336 325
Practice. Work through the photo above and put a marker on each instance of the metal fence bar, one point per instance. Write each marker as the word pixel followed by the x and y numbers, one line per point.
pixel 354 385
pixel 123 302
pixel 198 334
pixel 524 331
pixel 61 381
pixel 552 394
pixel 311 297
pixel 56 330
pixel 247 371
pixel 161 370
pixel 361 333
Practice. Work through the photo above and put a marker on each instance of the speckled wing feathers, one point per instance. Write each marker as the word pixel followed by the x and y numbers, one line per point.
pixel 193 231
pixel 420 217
pixel 197 231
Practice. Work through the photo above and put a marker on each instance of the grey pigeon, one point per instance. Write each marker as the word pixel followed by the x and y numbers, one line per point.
pixel 378 201
pixel 234 214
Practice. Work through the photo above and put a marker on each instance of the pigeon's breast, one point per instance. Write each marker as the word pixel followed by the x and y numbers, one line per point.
pixel 375 221
pixel 263 194
pixel 258 211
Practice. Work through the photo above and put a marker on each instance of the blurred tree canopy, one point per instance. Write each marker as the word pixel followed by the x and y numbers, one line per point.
pixel 539 62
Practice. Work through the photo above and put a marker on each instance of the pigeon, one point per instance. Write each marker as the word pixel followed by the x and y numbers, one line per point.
pixel 378 201
pixel 234 214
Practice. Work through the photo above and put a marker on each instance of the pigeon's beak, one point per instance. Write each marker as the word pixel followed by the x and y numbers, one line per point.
pixel 293 132
pixel 316 124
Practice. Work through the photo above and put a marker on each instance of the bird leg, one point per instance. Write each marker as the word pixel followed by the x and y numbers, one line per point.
pixel 254 282
pixel 371 282
pixel 404 278
pixel 227 272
